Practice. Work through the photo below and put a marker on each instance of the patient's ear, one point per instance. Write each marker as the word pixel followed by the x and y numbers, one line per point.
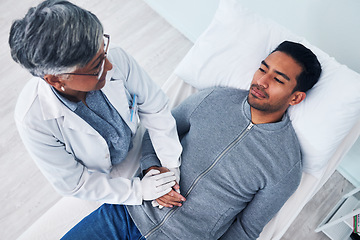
pixel 53 80
pixel 297 98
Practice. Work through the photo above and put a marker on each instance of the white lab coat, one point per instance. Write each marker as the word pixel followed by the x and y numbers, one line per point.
pixel 74 157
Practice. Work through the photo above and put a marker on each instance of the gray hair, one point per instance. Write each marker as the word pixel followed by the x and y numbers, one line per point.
pixel 55 37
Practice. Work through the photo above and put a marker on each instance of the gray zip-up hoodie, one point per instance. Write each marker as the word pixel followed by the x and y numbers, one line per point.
pixel 235 175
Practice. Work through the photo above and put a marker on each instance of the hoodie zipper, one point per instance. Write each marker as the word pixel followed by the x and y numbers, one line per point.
pixel 231 145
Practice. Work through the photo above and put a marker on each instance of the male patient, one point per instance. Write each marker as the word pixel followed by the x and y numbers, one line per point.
pixel 241 160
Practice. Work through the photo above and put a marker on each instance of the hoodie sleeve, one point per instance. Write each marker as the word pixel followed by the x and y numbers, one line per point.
pixel 182 115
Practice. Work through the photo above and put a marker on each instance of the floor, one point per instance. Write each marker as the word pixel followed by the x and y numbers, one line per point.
pixel 158 47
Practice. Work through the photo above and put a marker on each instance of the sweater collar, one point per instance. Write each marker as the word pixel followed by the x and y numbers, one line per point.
pixel 265 126
pixel 71 105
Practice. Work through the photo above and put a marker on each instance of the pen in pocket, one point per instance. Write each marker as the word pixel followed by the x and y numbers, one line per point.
pixel 132 110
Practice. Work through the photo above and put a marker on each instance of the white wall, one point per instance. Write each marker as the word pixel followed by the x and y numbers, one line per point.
pixel 190 17
pixel 331 25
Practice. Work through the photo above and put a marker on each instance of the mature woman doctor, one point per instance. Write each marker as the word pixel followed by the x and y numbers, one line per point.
pixel 78 117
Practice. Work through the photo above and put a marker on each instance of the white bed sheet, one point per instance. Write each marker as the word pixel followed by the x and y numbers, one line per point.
pixel 69 211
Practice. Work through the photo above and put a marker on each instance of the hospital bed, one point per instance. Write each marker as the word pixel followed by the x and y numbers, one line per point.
pixel 227 54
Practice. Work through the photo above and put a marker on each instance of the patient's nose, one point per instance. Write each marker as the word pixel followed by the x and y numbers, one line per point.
pixel 264 80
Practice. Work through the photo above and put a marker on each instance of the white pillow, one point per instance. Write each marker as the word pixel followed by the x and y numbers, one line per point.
pixel 231 49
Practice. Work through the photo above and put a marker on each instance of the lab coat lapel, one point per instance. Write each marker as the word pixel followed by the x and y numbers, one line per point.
pixel 116 93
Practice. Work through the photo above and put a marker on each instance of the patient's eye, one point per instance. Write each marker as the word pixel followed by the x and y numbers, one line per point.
pixel 261 70
pixel 279 81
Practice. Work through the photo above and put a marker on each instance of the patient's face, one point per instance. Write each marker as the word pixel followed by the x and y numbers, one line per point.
pixel 273 83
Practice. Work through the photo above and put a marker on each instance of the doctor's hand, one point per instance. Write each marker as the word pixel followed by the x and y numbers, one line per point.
pixel 155 184
pixel 173 198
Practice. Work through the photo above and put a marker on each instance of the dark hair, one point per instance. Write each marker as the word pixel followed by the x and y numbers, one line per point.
pixel 307 60
pixel 54 37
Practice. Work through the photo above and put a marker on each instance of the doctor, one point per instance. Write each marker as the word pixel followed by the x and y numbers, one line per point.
pixel 79 117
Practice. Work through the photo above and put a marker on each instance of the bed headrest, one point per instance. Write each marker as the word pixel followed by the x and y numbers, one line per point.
pixel 230 51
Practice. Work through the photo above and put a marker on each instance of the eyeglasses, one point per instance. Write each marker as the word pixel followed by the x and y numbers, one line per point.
pixel 98 74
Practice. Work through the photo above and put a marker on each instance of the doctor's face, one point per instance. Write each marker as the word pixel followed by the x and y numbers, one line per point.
pixel 273 83
pixel 92 76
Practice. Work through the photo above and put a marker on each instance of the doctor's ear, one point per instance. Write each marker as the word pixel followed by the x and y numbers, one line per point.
pixel 297 98
pixel 53 80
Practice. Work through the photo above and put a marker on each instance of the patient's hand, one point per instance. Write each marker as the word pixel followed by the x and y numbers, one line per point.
pixel 173 198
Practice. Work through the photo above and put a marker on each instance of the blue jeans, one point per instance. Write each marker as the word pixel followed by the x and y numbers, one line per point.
pixel 107 222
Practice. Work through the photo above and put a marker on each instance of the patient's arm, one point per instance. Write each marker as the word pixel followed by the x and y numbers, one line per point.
pixel 182 115
pixel 150 161
pixel 264 206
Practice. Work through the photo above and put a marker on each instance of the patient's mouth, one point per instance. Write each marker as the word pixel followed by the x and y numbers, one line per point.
pixel 257 92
